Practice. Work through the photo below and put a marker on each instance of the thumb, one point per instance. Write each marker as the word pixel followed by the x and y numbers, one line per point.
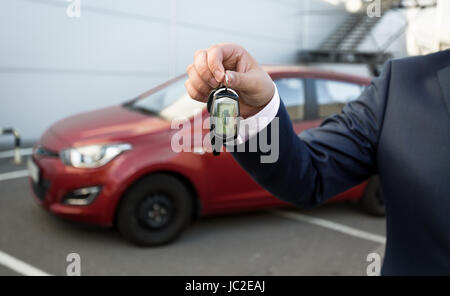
pixel 239 81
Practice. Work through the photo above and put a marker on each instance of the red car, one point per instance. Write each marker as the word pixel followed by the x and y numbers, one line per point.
pixel 116 166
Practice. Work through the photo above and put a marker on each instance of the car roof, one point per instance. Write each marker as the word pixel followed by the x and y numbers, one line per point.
pixel 277 71
pixel 284 71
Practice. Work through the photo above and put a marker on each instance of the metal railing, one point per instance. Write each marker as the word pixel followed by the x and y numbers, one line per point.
pixel 15 133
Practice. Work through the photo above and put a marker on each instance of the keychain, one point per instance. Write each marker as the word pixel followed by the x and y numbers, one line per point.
pixel 223 106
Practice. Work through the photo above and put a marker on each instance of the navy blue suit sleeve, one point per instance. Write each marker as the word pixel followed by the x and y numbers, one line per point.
pixel 322 162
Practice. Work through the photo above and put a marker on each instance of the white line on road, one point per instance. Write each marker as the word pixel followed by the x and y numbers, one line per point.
pixel 331 225
pixel 13 175
pixel 20 266
pixel 10 153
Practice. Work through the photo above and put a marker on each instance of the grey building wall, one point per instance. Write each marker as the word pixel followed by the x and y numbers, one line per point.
pixel 52 66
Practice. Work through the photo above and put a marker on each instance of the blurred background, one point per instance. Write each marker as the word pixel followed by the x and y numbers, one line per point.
pixel 52 66
pixel 64 57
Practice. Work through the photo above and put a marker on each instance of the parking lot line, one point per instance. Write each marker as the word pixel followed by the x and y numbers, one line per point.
pixel 10 153
pixel 20 266
pixel 331 225
pixel 13 175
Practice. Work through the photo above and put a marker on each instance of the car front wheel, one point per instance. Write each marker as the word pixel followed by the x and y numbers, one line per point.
pixel 155 210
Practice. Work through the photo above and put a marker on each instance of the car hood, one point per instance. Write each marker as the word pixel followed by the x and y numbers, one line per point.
pixel 107 125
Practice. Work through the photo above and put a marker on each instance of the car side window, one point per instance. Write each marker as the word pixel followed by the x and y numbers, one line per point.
pixel 332 95
pixel 292 93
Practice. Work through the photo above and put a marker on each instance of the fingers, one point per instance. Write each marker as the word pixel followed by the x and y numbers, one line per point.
pixel 197 81
pixel 194 93
pixel 201 66
pixel 201 80
pixel 229 56
pixel 215 62
pixel 242 81
pixel 212 62
pixel 208 70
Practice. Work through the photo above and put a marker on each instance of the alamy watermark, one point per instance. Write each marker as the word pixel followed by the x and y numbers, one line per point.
pixel 74 8
pixel 374 8
pixel 374 267
pixel 191 137
pixel 74 266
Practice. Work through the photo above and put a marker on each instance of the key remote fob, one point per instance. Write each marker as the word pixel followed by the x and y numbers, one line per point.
pixel 223 106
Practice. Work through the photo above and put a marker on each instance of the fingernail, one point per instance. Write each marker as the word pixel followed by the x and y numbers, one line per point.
pixel 230 78
pixel 218 75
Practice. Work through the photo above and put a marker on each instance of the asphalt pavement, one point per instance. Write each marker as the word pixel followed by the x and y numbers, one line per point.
pixel 334 239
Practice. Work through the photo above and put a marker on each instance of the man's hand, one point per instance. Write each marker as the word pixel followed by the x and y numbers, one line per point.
pixel 252 83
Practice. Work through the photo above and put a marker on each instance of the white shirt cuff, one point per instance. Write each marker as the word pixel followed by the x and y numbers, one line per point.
pixel 251 126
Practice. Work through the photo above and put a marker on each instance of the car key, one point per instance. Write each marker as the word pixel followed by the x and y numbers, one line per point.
pixel 223 106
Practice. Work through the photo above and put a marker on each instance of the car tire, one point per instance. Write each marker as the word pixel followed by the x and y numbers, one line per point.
pixel 372 202
pixel 155 210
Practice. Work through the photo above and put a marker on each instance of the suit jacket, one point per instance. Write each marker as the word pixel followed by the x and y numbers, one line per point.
pixel 398 128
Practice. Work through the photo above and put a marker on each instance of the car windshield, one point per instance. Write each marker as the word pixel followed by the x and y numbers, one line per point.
pixel 170 102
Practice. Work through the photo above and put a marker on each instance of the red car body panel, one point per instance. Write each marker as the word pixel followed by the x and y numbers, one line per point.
pixel 151 140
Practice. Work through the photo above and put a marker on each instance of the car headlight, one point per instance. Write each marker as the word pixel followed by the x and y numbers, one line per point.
pixel 92 156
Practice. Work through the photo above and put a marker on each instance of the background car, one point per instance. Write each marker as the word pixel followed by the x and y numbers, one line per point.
pixel 116 166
